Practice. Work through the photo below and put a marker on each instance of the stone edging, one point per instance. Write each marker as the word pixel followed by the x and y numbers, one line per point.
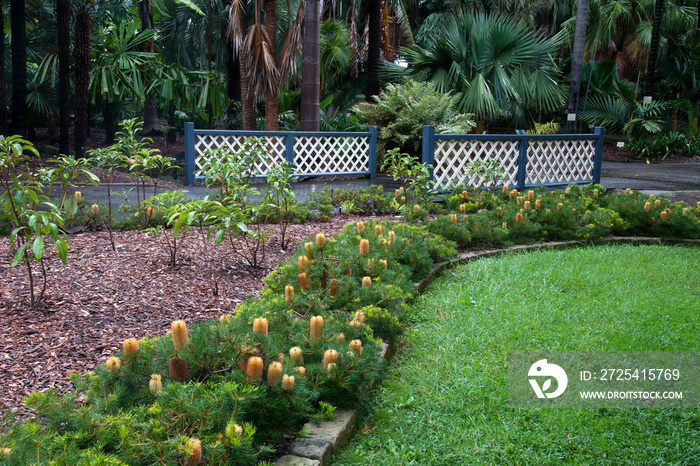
pixel 326 439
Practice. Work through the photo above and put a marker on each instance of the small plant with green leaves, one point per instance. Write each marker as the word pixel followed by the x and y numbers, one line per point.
pixel 68 171
pixel 109 159
pixel 485 175
pixel 279 195
pixel 414 177
pixel 173 208
pixel 34 220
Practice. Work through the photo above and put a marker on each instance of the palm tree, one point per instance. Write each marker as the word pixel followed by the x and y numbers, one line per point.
pixel 576 64
pixel 64 14
pixel 3 82
pixel 501 67
pixel 374 44
pixel 81 64
pixel 311 67
pixel 150 113
pixel 18 18
pixel 653 50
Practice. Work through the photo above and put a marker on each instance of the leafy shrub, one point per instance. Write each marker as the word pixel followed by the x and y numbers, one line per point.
pixel 660 146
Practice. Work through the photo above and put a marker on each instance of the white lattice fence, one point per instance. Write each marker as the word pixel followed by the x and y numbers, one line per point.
pixel 331 154
pixel 560 161
pixel 452 157
pixel 205 143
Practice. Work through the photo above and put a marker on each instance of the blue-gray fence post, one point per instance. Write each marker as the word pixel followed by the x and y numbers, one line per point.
pixel 598 160
pixel 189 153
pixel 522 158
pixel 428 155
pixel 289 149
pixel 372 152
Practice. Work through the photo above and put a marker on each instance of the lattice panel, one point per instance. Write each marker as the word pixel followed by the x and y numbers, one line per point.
pixel 453 156
pixel 560 161
pixel 331 154
pixel 207 142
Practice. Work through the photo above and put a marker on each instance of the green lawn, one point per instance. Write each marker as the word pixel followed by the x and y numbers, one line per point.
pixel 445 399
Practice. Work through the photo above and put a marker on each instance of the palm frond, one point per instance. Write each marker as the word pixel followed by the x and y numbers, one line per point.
pixel 261 63
pixel 287 60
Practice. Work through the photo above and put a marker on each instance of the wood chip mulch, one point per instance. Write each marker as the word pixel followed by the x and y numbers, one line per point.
pixel 101 297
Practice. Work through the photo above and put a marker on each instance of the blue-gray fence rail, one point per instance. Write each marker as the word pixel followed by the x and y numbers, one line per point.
pixel 527 159
pixel 312 153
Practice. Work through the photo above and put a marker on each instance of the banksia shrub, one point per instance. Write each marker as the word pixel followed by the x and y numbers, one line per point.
pixel 194 458
pixel 130 345
pixel 334 287
pixel 316 328
pixel 356 346
pixel 155 385
pixel 360 227
pixel 287 383
pixel 329 357
pixel 274 374
pixel 303 263
pixel 254 369
pixel 304 281
pixel 297 356
pixel 364 247
pixel 113 364
pixel 289 293
pixel 178 369
pixel 260 325
pixel 95 209
pixel 366 281
pixel 519 217
pixel 180 338
pixel 320 240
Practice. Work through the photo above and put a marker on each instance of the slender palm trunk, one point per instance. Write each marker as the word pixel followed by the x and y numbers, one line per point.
pixel 311 67
pixel 653 51
pixel 247 95
pixel 64 14
pixel 272 122
pixel 150 113
pixel 18 17
pixel 3 81
pixel 577 64
pixel 374 44
pixel 81 63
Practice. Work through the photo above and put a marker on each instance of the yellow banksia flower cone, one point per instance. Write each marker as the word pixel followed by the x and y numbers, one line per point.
pixel 378 229
pixel 95 209
pixel 254 369
pixel 560 206
pixel 392 236
pixel 463 208
pixel 303 263
pixel 504 225
pixel 297 356
pixel 519 200
pixel 527 205
pixel 287 383
pixel 364 247
pixel 647 207
pixel 549 211
pixel 505 189
pixel 652 220
pixel 316 328
pixel 628 191
pixel 356 346
pixel 260 325
pixel 686 210
pixel 130 346
pixel 397 193
pixel 274 374
pixel 225 318
pixel 320 240
pixel 519 217
pixel 177 367
pixel 360 227
pixel 568 191
pixel 531 194
pixel 384 263
pixel 334 287
pixel 150 211
pixel 465 194
pixel 453 219
pixel 309 248
pixel 113 364
pixel 538 204
pixel 155 385
pixel 416 208
pixel 513 193
pixel 301 370
pixel 403 199
pixel 234 430
pixel 657 203
pixel 180 338
pixel 304 281
pixel 366 281
pixel 329 357
pixel 289 293
pixel 195 445
pixel 663 215
pixel 78 195
pixel 360 317
pixel 340 338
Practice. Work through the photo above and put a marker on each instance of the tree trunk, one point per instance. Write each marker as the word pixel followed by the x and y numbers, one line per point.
pixel 81 64
pixel 272 120
pixel 374 44
pixel 233 85
pixel 311 67
pixel 108 118
pixel 247 95
pixel 3 81
pixel 18 17
pixel 64 13
pixel 576 65
pixel 150 111
pixel 653 51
